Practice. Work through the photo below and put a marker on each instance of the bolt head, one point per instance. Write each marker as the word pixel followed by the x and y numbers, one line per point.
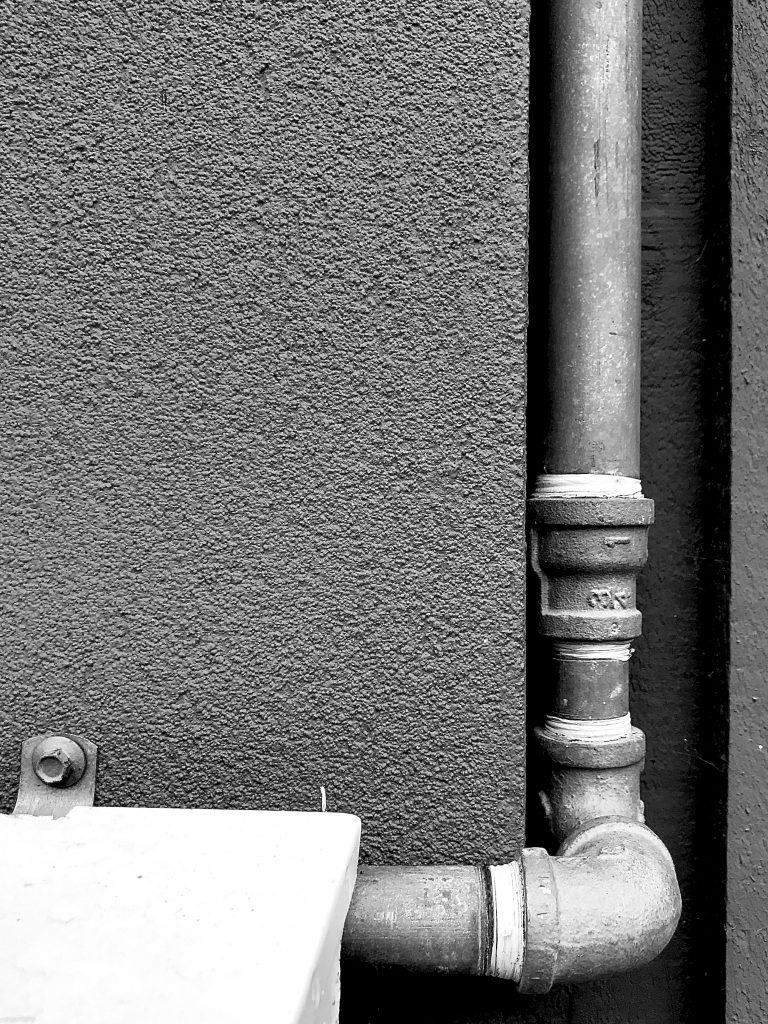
pixel 59 761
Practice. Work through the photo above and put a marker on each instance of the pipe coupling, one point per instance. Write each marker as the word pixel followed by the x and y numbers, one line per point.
pixel 591 779
pixel 587 553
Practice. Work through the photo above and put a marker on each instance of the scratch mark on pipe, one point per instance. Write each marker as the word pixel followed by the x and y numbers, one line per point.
pixel 597 168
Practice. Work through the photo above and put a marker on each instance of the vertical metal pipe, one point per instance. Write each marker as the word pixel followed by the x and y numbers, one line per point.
pixel 594 320
pixel 589 529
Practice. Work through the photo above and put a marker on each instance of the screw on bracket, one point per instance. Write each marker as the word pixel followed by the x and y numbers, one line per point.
pixel 59 761
pixel 57 773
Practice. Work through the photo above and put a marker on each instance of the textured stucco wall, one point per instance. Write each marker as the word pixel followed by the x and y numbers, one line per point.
pixel 262 363
pixel 263 373
pixel 747 918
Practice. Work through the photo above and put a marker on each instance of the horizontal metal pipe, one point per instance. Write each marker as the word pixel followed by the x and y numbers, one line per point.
pixel 609 901
pixel 423 918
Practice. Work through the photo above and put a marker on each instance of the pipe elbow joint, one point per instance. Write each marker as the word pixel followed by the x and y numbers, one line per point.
pixel 608 902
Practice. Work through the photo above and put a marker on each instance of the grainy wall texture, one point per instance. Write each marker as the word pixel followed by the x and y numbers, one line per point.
pixel 263 477
pixel 263 415
pixel 747 918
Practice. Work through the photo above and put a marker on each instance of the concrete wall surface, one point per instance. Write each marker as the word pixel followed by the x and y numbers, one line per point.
pixel 263 372
pixel 263 362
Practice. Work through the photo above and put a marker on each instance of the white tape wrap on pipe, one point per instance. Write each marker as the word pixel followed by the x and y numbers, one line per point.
pixel 573 650
pixel 588 730
pixel 586 485
pixel 508 948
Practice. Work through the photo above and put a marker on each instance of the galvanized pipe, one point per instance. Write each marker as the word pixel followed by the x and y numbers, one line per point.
pixel 607 902
pixel 589 518
pixel 594 280
pixel 427 918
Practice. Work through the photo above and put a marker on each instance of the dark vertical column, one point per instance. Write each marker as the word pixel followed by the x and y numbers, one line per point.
pixel 747 913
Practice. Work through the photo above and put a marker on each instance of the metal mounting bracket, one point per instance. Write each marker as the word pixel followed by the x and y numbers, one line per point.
pixel 58 772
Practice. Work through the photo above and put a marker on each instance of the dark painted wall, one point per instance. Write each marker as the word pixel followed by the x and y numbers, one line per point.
pixel 263 365
pixel 747 963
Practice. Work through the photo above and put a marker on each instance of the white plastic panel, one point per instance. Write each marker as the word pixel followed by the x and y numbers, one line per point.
pixel 111 916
